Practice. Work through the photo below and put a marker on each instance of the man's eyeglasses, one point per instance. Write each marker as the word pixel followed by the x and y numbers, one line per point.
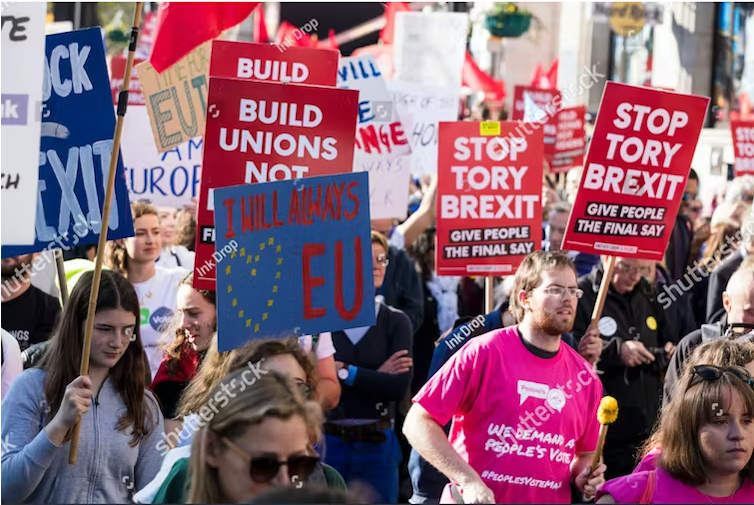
pixel 711 373
pixel 263 469
pixel 689 196
pixel 560 291
pixel 382 260
pixel 632 270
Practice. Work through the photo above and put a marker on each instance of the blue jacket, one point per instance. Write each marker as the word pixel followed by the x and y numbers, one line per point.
pixel 427 481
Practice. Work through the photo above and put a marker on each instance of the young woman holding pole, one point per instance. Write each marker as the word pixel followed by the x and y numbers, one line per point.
pixel 121 422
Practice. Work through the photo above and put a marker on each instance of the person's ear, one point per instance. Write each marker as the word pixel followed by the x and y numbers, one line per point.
pixel 524 300
pixel 212 446
pixel 726 303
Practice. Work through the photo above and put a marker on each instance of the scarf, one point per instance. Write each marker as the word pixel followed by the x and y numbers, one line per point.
pixel 445 291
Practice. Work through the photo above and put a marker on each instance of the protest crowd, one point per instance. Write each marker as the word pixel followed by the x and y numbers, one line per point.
pixel 540 325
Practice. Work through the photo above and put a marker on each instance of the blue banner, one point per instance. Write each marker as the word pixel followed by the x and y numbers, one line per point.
pixel 78 123
pixel 293 257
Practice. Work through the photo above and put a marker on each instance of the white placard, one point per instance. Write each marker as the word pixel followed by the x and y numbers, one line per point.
pixel 430 48
pixel 169 179
pixel 382 145
pixel 23 63
pixel 421 108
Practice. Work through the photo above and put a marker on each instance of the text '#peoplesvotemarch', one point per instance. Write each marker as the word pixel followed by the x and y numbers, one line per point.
pixel 635 172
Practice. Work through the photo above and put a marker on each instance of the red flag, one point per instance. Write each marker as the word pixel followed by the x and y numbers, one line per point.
pixel 391 9
pixel 260 29
pixel 479 80
pixel 552 75
pixel 181 27
pixel 330 44
pixel 290 36
pixel 536 79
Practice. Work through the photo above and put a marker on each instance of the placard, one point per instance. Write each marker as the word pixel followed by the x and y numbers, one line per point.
pixel 176 99
pixel 743 146
pixel 294 257
pixel 117 73
pixel 635 172
pixel 260 132
pixel 78 123
pixel 382 147
pixel 539 107
pixel 266 62
pixel 489 189
pixel 420 109
pixel 23 66
pixel 570 140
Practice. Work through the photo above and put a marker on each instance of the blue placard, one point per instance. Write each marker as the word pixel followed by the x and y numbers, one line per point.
pixel 293 256
pixel 78 123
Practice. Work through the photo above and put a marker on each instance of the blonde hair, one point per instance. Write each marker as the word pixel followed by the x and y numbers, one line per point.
pixel 270 396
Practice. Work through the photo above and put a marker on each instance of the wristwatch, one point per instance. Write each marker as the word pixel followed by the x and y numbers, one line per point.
pixel 343 374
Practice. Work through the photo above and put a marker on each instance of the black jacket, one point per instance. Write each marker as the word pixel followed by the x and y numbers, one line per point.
pixel 638 316
pixel 718 281
pixel 678 254
pixel 402 287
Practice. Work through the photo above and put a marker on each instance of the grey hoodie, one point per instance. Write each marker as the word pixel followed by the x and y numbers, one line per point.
pixel 108 470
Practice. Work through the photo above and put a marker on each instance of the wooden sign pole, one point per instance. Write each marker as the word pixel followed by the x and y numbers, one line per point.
pixel 122 106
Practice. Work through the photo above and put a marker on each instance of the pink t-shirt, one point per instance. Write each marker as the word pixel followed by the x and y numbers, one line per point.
pixel 649 462
pixel 629 489
pixel 518 420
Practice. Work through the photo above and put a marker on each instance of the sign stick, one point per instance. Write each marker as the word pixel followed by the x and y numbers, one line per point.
pixel 599 304
pixel 122 106
pixel 60 266
pixel 489 294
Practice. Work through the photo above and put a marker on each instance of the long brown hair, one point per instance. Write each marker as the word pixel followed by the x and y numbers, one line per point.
pixel 116 256
pixel 217 365
pixel 272 396
pixel 62 359
pixel 721 235
pixel 179 345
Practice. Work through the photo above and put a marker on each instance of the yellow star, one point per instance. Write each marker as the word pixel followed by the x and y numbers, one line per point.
pixel 240 314
pixel 233 254
pixel 256 327
pixel 261 246
pixel 274 289
pixel 271 241
pixel 248 259
pixel 269 303
pixel 280 261
pixel 230 288
pixel 277 249
pixel 243 251
pixel 248 323
pixel 253 272
pixel 264 316
pixel 227 270
pixel 235 302
pixel 277 275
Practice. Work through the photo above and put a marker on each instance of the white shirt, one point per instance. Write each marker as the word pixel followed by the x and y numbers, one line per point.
pixel 12 363
pixel 176 256
pixel 157 300
pixel 325 347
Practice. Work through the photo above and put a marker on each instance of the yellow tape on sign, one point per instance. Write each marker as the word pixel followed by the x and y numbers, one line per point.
pixel 489 128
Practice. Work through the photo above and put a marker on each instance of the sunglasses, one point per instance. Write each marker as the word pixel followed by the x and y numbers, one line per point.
pixel 711 373
pixel 263 469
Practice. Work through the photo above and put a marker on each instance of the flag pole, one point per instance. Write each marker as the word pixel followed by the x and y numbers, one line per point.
pixel 122 106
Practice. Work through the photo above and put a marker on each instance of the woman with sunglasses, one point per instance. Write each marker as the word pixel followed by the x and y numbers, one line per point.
pixel 258 440
pixel 707 434
pixel 721 353
pixel 281 356
pixel 121 422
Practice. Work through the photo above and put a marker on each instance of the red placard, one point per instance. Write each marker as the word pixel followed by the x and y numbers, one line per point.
pixel 489 191
pixel 549 101
pixel 570 142
pixel 635 172
pixel 117 72
pixel 260 131
pixel 743 146
pixel 268 62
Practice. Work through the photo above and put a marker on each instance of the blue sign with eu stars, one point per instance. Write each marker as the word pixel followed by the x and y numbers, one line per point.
pixel 300 259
